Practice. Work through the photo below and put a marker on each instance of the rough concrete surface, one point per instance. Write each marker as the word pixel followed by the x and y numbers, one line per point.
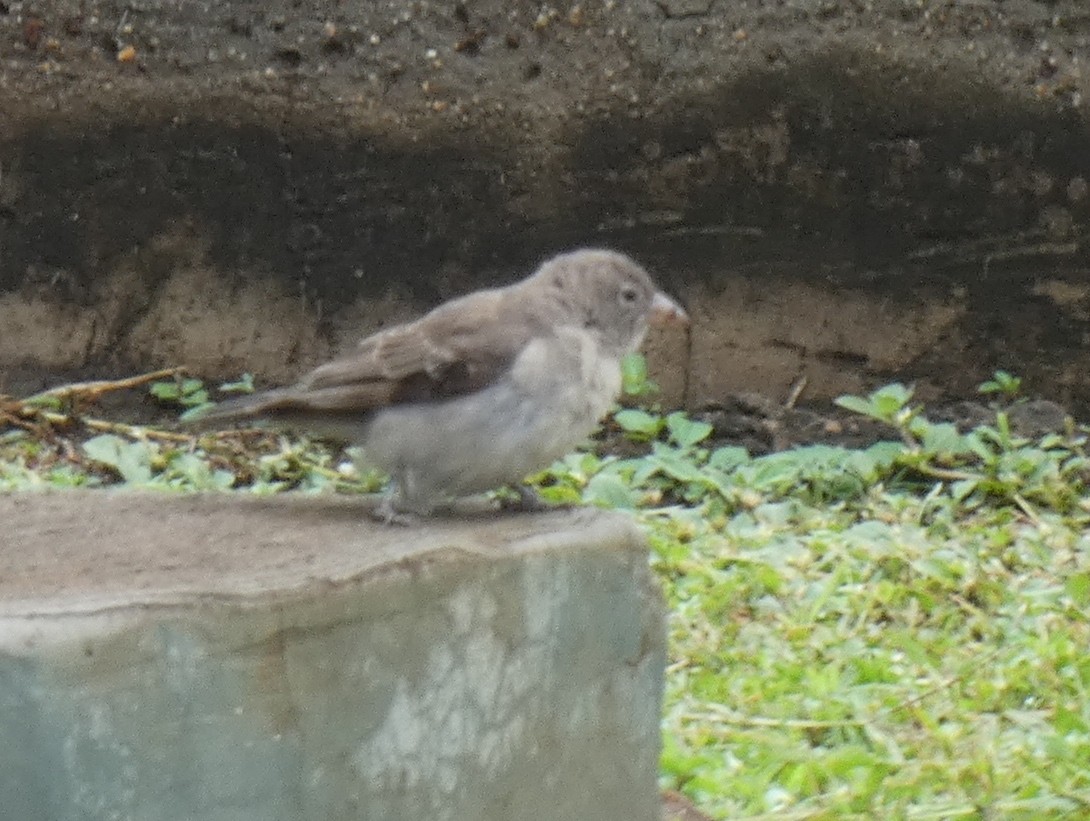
pixel 848 191
pixel 166 657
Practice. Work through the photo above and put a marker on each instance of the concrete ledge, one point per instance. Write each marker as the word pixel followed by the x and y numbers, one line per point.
pixel 218 657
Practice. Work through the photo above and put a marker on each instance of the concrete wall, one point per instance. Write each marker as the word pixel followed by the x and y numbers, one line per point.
pixel 848 192
pixel 221 658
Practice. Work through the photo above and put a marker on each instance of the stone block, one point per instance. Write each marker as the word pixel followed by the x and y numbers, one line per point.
pixel 228 658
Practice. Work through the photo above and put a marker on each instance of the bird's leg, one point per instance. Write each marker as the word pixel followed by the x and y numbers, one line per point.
pixel 388 514
pixel 405 502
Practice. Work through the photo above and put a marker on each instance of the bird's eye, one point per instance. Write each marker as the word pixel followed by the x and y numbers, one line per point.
pixel 628 295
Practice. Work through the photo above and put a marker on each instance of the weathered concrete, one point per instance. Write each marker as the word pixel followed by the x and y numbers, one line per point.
pixel 216 658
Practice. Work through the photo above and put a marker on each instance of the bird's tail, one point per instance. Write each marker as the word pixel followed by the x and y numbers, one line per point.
pixel 239 409
pixel 318 412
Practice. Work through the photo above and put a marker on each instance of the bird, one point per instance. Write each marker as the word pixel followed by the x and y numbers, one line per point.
pixel 483 390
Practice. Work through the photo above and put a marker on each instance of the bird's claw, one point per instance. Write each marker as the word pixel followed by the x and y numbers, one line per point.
pixel 527 500
pixel 388 514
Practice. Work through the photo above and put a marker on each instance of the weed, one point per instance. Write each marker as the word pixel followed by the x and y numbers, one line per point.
pixel 898 631
pixel 1002 384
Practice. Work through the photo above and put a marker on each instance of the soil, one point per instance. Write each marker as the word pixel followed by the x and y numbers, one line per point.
pixel 762 426
pixel 676 807
pixel 849 192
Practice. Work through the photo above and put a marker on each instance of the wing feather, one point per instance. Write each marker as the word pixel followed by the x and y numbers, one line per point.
pixel 458 348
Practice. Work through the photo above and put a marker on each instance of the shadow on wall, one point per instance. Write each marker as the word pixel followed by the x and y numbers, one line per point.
pixel 908 189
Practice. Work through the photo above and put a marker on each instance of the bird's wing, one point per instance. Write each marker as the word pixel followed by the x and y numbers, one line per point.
pixel 458 348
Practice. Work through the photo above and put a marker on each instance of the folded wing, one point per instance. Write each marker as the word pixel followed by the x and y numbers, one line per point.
pixel 458 348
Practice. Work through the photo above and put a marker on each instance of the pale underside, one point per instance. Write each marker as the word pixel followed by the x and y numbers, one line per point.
pixel 558 389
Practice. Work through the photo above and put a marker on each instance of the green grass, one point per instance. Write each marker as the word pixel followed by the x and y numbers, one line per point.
pixel 895 632
pixel 882 659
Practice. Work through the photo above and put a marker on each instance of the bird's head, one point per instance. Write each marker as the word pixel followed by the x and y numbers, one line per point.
pixel 608 293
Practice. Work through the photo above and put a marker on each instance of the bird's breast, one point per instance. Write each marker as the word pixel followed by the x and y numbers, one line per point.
pixel 569 375
pixel 550 400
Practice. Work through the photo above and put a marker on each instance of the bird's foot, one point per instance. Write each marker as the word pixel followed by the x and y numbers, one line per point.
pixel 527 500
pixel 388 514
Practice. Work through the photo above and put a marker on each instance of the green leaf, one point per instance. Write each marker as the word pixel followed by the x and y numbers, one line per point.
pixel 686 432
pixel 855 404
pixel 1002 382
pixel 188 393
pixel 634 379
pixel 245 384
pixel 196 412
pixel 943 438
pixel 1078 588
pixel 132 460
pixel 975 443
pixel 639 423
pixel 885 454
pixel 191 472
pixel 609 490
pixel 196 399
pixel 885 404
pixel 675 464
pixel 727 458
pixel 890 400
pixel 167 391
pixel 961 490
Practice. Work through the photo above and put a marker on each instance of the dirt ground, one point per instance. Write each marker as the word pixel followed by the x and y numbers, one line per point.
pixel 847 192
pixel 763 427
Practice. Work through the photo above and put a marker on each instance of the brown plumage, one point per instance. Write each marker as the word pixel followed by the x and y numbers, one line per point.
pixel 485 388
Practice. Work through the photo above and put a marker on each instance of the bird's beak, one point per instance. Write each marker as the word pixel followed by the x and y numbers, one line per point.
pixel 666 313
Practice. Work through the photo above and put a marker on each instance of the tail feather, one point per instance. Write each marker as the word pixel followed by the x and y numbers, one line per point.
pixel 254 406
pixel 318 412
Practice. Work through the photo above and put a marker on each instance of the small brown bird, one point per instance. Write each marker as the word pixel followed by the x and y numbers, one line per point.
pixel 483 390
